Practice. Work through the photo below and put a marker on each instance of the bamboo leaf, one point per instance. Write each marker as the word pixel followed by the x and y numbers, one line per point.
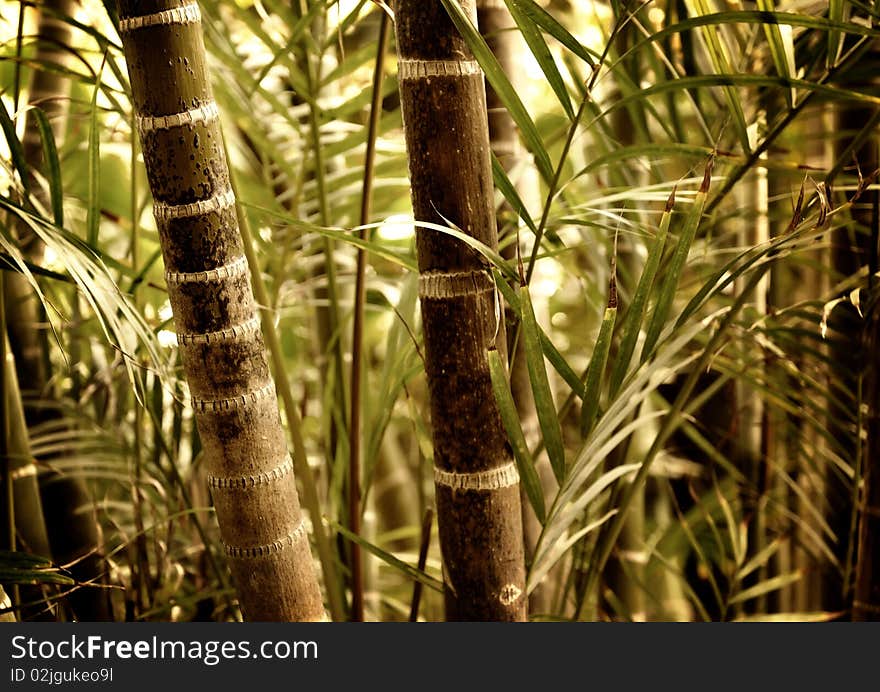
pixel 781 48
pixel 546 21
pixel 510 417
pixel 766 586
pixel 544 58
pixel 551 353
pixel 760 559
pixel 502 182
pixel 632 323
pixel 502 86
pixel 93 216
pixel 721 63
pixel 547 417
pixel 818 616
pixel 53 166
pixel 386 557
pixel 672 277
pixel 15 149
pixel 596 368
pixel 835 36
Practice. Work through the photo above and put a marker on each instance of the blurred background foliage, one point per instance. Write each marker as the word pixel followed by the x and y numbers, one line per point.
pixel 714 162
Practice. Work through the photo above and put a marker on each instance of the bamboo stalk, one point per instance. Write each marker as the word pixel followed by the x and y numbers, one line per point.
pixel 236 407
pixel 477 488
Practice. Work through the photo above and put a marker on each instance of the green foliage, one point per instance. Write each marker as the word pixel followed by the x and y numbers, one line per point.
pixel 724 284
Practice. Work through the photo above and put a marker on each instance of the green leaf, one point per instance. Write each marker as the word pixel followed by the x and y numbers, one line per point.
pixel 547 417
pixel 550 351
pixel 721 63
pixel 398 564
pixel 502 87
pixel 15 148
pixel 632 323
pixel 767 586
pixel 595 370
pixel 782 47
pixel 544 58
pixel 510 418
pixel 835 36
pixel 546 21
pixel 53 172
pixel 676 266
pixel 93 215
pixel 502 182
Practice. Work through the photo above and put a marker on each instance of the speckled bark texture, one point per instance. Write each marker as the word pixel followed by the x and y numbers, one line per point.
pixel 236 409
pixel 444 114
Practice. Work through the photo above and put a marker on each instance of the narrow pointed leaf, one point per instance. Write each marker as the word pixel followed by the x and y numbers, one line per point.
pixel 386 557
pixel 93 216
pixel 669 286
pixel 548 23
pixel 635 315
pixel 15 148
pixel 547 417
pixel 53 167
pixel 595 370
pixel 541 52
pixel 510 417
pixel 502 86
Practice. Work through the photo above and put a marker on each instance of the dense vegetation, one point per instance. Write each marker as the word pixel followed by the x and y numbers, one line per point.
pixel 687 219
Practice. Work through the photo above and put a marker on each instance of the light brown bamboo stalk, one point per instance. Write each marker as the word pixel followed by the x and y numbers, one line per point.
pixel 236 408
pixel 477 486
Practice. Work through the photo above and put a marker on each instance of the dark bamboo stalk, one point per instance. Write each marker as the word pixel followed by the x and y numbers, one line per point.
pixel 477 486
pixel 71 523
pixel 866 601
pixel 499 30
pixel 249 467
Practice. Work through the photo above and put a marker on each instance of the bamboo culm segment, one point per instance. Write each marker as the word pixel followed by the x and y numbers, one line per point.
pixel 236 409
pixel 478 501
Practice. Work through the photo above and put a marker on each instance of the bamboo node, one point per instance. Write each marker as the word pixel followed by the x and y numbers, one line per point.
pixel 26 471
pixel 251 326
pixel 510 594
pixel 235 269
pixel 164 212
pixel 232 403
pixel 263 478
pixel 424 69
pixel 868 607
pixel 206 113
pixel 268 549
pixel 454 284
pixel 185 14
pixel 493 479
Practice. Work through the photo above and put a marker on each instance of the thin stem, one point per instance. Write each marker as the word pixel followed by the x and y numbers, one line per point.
pixel 360 297
pixel 142 559
pixel 16 79
pixel 554 185
pixel 294 424
pixel 425 543
pixel 313 81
